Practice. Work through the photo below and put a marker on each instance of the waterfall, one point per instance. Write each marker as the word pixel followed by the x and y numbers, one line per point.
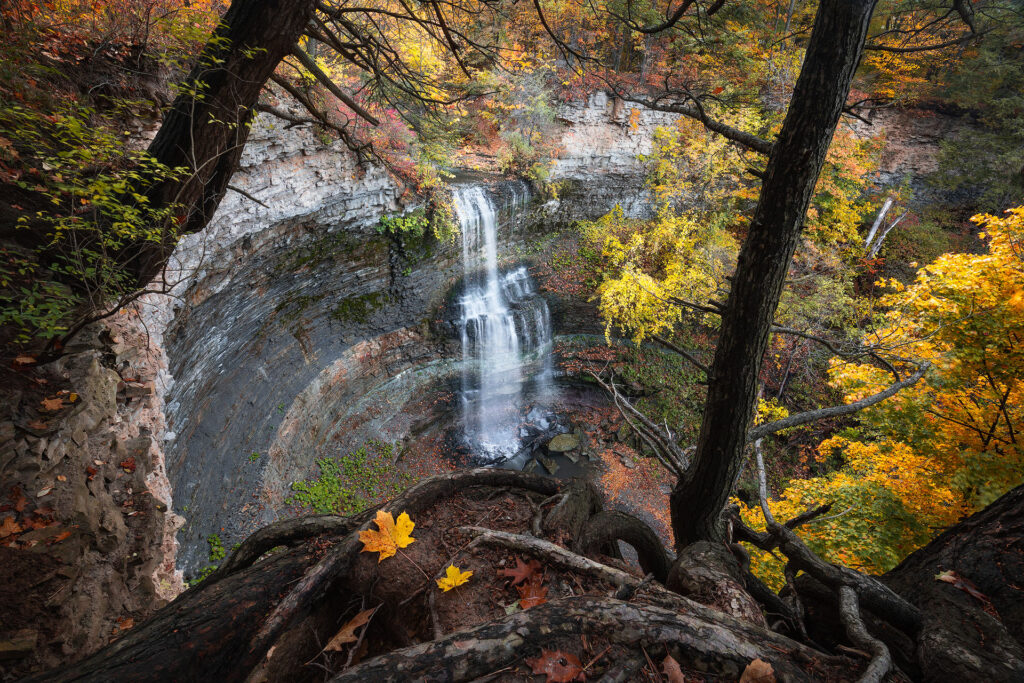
pixel 505 328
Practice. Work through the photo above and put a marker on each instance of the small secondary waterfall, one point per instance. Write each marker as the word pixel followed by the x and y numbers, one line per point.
pixel 506 332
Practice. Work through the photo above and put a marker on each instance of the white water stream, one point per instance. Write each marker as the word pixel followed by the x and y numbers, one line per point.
pixel 506 332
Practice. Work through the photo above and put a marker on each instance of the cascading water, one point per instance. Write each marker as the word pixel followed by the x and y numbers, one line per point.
pixel 506 333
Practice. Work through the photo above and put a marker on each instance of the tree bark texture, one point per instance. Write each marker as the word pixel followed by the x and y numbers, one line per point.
pixel 722 645
pixel 964 636
pixel 208 124
pixel 201 635
pixel 833 53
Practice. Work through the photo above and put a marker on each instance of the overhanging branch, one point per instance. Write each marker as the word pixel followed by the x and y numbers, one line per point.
pixel 748 140
pixel 311 66
pixel 835 411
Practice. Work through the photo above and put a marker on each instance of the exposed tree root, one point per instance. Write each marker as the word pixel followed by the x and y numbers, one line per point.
pixel 719 644
pixel 286 532
pixel 605 528
pixel 570 514
pixel 711 575
pixel 293 600
pixel 881 660
pixel 338 560
pixel 222 629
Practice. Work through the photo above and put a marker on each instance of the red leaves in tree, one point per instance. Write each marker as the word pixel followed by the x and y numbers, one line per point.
pixel 558 666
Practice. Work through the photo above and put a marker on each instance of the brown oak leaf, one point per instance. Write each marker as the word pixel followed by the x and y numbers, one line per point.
pixel 673 672
pixel 758 671
pixel 558 666
pixel 521 572
pixel 347 634
pixel 532 593
pixel 9 527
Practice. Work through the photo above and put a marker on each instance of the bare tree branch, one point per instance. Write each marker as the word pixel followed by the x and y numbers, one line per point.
pixel 748 140
pixel 835 411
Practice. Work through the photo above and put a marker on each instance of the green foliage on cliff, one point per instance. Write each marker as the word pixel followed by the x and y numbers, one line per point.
pixel 85 216
pixel 349 484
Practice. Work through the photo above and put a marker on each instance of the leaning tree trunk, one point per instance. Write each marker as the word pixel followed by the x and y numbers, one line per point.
pixel 208 124
pixel 833 53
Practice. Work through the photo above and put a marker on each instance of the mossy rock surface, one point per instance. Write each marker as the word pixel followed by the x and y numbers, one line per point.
pixel 563 443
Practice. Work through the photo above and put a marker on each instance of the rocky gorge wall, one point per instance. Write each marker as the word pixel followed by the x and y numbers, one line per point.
pixel 291 311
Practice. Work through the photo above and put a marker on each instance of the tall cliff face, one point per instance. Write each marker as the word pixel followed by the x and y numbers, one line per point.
pixel 291 312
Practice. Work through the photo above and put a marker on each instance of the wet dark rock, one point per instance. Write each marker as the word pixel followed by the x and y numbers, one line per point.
pixel 624 433
pixel 549 464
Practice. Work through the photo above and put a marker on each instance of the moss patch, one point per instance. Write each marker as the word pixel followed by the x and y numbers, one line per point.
pixel 358 307
pixel 351 483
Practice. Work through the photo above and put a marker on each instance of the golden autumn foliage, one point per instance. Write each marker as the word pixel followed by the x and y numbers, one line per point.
pixel 944 447
pixel 453 577
pixel 652 264
pixel 390 535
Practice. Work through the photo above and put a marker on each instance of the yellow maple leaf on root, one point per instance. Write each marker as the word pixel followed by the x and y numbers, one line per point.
pixel 390 537
pixel 453 577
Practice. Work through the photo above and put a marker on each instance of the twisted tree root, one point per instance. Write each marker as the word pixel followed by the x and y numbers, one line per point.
pixel 605 528
pixel 286 532
pixel 221 630
pixel 700 636
pixel 338 560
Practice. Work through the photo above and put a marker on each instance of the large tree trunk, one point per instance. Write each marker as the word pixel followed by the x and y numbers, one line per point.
pixel 968 584
pixel 208 124
pixel 833 53
pixel 968 635
pixel 202 635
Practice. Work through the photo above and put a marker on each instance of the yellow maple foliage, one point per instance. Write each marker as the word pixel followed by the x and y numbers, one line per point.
pixel 391 535
pixel 453 577
pixel 940 449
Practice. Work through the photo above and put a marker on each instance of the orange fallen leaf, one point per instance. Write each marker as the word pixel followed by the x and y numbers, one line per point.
pixel 673 672
pixel 390 535
pixel 758 671
pixel 521 572
pixel 52 404
pixel 558 666
pixel 347 634
pixel 9 527
pixel 533 593
pixel 61 536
